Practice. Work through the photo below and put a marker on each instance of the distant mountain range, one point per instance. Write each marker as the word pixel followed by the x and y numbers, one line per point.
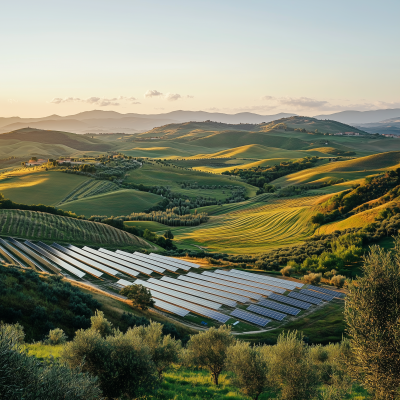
pixel 99 121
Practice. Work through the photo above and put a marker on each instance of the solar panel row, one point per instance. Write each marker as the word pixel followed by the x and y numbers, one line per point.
pixel 151 261
pixel 180 295
pixel 34 255
pixel 168 261
pixel 280 307
pixel 270 280
pixel 130 268
pixel 239 279
pixel 154 265
pixel 318 295
pixel 56 260
pixel 307 299
pixel 291 301
pixel 246 316
pixel 267 313
pixel 203 295
pixel 132 261
pixel 178 260
pixel 239 284
pixel 10 256
pixel 199 291
pixel 327 291
pixel 235 287
pixel 170 308
pixel 88 261
pixel 71 261
pixel 227 292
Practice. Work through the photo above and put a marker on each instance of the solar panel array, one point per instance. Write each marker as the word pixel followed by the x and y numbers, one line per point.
pixel 327 291
pixel 237 283
pixel 203 295
pixel 244 280
pixel 11 257
pixel 225 290
pixel 159 266
pixel 269 279
pixel 267 313
pixel 182 303
pixel 280 307
pixel 246 316
pixel 307 299
pixel 321 296
pixel 291 301
pixel 200 291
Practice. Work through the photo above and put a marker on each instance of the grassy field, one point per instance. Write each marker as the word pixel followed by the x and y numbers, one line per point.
pixel 254 226
pixel 43 226
pixel 157 174
pixel 151 225
pixel 121 202
pixel 43 187
pixel 348 170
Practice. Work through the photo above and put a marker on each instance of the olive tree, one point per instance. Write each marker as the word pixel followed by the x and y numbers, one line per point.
pixel 140 296
pixel 292 368
pixel 372 314
pixel 100 324
pixel 209 349
pixel 250 367
pixel 164 350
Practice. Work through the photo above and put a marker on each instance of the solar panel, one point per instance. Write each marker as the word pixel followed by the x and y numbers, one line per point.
pixel 129 266
pixel 194 292
pixel 268 279
pixel 179 261
pixel 240 283
pixel 131 260
pixel 307 299
pixel 56 260
pixel 291 301
pixel 311 293
pixel 180 295
pixel 170 308
pixel 246 316
pixel 8 255
pixel 280 307
pixel 227 284
pixel 168 262
pixel 34 255
pixel 246 281
pixel 72 261
pixel 124 282
pixel 225 290
pixel 327 291
pixel 91 256
pixel 140 257
pixel 267 313
pixel 86 260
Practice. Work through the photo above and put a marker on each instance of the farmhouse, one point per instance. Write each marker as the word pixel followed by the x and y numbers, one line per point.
pixel 33 162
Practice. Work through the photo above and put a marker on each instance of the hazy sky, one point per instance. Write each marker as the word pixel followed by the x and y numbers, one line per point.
pixel 150 56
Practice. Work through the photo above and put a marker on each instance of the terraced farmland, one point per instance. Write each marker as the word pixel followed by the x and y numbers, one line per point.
pixel 255 227
pixel 89 188
pixel 43 226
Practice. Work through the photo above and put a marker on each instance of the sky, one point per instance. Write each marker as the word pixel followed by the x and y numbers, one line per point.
pixel 307 57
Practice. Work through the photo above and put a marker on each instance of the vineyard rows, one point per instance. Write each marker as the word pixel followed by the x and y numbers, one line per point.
pixel 38 225
pixel 89 188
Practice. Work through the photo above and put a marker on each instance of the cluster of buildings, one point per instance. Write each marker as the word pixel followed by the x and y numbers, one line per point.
pixel 347 134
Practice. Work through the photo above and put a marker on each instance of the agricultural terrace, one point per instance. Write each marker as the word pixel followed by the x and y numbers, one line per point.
pixel 43 226
pixel 42 187
pixel 253 226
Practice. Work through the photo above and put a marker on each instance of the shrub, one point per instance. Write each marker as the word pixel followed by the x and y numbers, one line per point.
pixel 56 336
pixel 100 324
pixel 287 271
pixel 338 281
pixel 312 279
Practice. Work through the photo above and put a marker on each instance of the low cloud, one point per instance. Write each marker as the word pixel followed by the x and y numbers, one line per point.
pixel 172 96
pixel 299 103
pixel 153 93
pixel 97 101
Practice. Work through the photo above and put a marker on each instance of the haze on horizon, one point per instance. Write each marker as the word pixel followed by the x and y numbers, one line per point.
pixel 230 56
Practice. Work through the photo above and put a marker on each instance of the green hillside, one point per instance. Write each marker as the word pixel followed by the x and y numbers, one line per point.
pixel 121 202
pixel 43 226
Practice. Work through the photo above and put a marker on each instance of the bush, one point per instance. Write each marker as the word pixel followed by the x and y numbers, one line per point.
pixel 100 324
pixel 56 336
pixel 338 281
pixel 312 279
pixel 287 271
